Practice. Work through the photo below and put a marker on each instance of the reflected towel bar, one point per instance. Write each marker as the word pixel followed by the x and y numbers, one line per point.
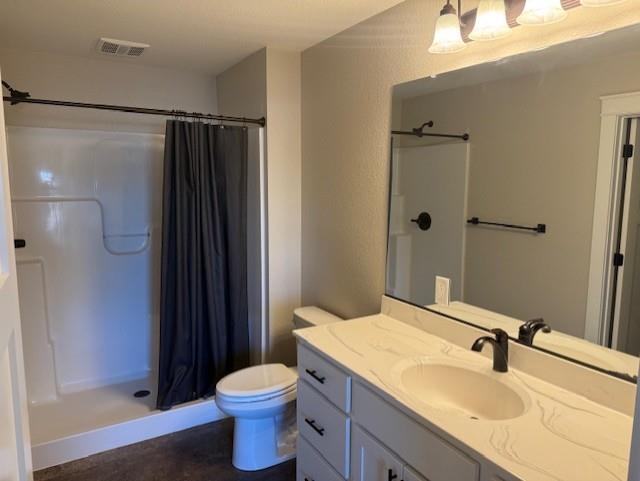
pixel 540 228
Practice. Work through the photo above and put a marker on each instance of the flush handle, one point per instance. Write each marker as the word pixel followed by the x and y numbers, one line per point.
pixel 314 374
pixel 314 426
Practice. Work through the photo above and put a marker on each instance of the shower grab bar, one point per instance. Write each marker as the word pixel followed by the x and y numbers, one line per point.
pixel 146 235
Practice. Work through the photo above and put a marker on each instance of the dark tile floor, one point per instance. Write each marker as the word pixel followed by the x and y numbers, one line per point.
pixel 198 454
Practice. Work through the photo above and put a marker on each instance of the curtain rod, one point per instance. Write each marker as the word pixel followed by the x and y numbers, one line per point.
pixel 423 134
pixel 419 132
pixel 18 97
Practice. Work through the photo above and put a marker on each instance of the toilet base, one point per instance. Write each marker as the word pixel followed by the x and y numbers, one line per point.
pixel 264 442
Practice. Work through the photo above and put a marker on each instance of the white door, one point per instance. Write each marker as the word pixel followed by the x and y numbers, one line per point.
pixel 371 461
pixel 15 449
pixel 625 336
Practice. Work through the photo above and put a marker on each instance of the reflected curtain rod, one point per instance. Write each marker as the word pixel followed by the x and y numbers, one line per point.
pixel 19 97
pixel 419 132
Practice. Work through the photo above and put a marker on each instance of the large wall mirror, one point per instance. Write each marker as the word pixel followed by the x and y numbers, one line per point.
pixel 514 182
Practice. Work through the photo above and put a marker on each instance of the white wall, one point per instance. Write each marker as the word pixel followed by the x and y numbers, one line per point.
pixel 242 89
pixel 284 168
pixel 98 80
pixel 634 464
pixel 268 83
pixel 346 110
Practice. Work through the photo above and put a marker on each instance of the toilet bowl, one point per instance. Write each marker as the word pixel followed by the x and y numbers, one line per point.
pixel 262 401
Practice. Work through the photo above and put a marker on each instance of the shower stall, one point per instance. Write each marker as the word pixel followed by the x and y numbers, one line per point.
pixel 87 210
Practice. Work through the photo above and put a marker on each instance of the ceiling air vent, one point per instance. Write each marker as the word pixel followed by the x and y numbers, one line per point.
pixel 120 48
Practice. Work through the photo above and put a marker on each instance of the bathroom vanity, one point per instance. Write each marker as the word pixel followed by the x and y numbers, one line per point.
pixel 382 398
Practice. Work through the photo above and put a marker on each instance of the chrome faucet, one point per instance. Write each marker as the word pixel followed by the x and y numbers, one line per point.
pixel 529 329
pixel 500 344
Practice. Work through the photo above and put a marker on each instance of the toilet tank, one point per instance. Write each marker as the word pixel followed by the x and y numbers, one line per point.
pixel 311 316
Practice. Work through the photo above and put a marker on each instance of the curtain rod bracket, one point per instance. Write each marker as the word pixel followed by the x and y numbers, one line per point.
pixel 16 95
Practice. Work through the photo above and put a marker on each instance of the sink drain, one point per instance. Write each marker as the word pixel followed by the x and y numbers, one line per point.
pixel 141 393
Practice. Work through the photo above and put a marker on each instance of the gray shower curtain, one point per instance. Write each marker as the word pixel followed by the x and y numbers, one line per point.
pixel 204 332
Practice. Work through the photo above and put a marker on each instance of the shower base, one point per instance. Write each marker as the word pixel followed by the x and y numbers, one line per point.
pixel 88 422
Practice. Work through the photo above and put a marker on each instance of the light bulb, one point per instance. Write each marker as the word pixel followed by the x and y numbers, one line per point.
pixel 491 21
pixel 541 12
pixel 447 37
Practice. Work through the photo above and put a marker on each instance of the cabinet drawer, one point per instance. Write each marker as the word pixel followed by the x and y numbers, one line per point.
pixel 430 455
pixel 334 384
pixel 324 426
pixel 310 466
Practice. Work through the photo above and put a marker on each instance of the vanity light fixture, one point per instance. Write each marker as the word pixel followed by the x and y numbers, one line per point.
pixel 600 3
pixel 447 37
pixel 494 19
pixel 541 12
pixel 491 21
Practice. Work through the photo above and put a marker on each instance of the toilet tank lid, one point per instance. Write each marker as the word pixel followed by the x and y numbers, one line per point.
pixel 315 315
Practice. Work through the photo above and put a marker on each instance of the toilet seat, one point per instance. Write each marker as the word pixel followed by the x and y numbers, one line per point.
pixel 285 393
pixel 257 383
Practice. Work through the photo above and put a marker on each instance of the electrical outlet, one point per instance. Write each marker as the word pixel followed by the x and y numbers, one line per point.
pixel 443 285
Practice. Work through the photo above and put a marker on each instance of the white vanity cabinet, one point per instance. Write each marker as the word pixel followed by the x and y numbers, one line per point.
pixel 409 474
pixel 349 432
pixel 371 460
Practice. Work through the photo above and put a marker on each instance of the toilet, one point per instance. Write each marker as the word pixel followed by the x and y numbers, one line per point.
pixel 262 401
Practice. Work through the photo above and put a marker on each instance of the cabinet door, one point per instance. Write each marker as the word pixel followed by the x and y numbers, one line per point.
pixel 371 461
pixel 409 474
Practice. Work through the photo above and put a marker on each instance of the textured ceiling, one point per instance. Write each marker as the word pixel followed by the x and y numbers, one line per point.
pixel 200 35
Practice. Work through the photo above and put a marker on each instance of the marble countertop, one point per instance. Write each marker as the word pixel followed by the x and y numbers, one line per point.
pixel 562 436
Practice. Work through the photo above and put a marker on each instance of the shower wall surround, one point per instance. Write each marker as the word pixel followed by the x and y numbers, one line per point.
pixel 88 205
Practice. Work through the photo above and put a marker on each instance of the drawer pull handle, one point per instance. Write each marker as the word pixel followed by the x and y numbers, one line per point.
pixel 391 476
pixel 312 423
pixel 314 374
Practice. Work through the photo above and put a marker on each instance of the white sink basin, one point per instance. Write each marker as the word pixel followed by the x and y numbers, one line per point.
pixel 462 390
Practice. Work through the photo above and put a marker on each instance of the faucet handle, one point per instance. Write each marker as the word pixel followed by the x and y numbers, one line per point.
pixel 534 322
pixel 528 330
pixel 500 334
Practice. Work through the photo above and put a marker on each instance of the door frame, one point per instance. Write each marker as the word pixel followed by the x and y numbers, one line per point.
pixel 13 394
pixel 615 109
